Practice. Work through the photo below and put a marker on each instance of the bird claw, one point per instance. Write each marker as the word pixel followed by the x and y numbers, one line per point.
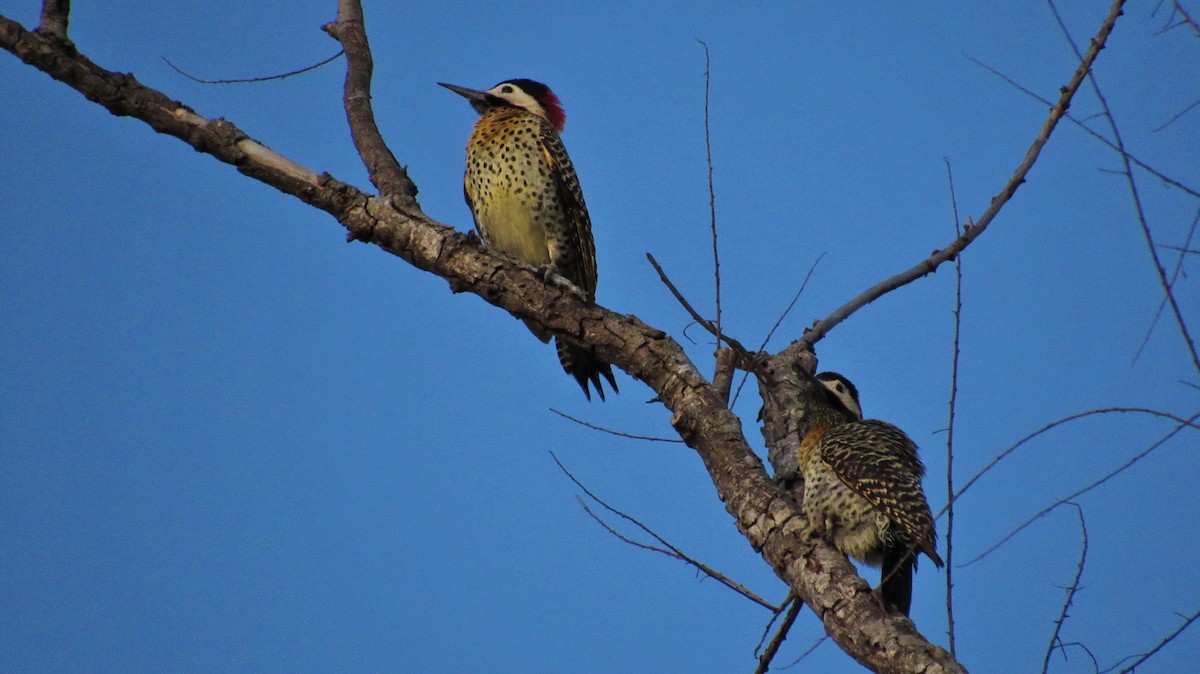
pixel 550 275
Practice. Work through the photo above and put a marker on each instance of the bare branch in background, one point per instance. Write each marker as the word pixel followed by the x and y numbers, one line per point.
pixel 1091 132
pixel 1072 589
pixel 712 195
pixel 1183 423
pixel 666 549
pixel 1137 201
pixel 700 320
pixel 950 422
pixel 620 434
pixel 794 605
pixel 248 80
pixel 974 229
pixel 1141 659
pixel 1068 498
pixel 1175 274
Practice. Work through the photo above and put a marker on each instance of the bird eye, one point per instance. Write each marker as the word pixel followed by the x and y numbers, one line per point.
pixel 507 90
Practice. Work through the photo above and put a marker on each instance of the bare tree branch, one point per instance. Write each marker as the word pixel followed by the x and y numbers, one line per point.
pixel 787 310
pixel 1183 423
pixel 700 320
pixel 712 195
pixel 1188 621
pixel 1068 498
pixel 1187 18
pixel 387 175
pixel 1162 305
pixel 1072 589
pixel 723 374
pixel 55 17
pixel 1177 116
pixel 668 549
pixel 1137 200
pixel 950 423
pixel 1091 132
pixel 610 431
pixel 764 660
pixel 973 230
pixel 248 80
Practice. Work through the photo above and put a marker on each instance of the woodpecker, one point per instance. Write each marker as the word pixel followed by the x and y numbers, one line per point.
pixel 862 488
pixel 525 197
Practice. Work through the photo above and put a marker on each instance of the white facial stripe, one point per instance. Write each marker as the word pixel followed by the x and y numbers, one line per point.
pixel 513 94
pixel 842 393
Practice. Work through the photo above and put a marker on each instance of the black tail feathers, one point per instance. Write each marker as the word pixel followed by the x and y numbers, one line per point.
pixel 895 589
pixel 582 364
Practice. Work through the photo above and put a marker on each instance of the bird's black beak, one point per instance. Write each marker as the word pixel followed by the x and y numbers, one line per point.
pixel 480 100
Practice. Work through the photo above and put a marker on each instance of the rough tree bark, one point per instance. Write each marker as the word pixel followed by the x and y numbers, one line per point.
pixel 765 512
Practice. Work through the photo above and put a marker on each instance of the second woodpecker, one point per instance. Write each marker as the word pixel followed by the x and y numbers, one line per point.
pixel 862 488
pixel 526 200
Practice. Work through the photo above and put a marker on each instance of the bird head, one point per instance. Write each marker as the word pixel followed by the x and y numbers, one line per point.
pixel 527 95
pixel 842 392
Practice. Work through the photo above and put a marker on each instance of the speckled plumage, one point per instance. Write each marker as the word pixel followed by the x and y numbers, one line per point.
pixel 862 489
pixel 527 202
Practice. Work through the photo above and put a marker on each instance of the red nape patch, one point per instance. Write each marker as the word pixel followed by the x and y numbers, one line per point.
pixel 554 110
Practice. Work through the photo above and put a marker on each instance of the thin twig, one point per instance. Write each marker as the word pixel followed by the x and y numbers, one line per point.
pixel 56 15
pixel 950 423
pixel 807 652
pixel 1186 17
pixel 1068 498
pixel 703 322
pixel 668 549
pixel 1162 305
pixel 712 194
pixel 1158 647
pixel 1177 116
pixel 1137 200
pixel 247 80
pixel 610 431
pixel 1071 591
pixel 1094 134
pixel 779 321
pixel 764 660
pixel 1181 249
pixel 973 230
pixel 1054 424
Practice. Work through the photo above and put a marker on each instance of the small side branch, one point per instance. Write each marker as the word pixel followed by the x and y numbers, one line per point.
pixel 387 175
pixel 667 548
pixel 950 425
pixel 712 195
pixel 764 660
pixel 1182 423
pixel 251 80
pixel 619 434
pixel 702 321
pixel 1055 641
pixel 1080 492
pixel 1136 198
pixel 1188 621
pixel 55 17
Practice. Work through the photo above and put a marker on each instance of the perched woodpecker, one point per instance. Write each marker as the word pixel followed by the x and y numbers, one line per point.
pixel 862 488
pixel 526 200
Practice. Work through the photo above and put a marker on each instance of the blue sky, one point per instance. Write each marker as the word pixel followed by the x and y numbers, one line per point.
pixel 230 441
